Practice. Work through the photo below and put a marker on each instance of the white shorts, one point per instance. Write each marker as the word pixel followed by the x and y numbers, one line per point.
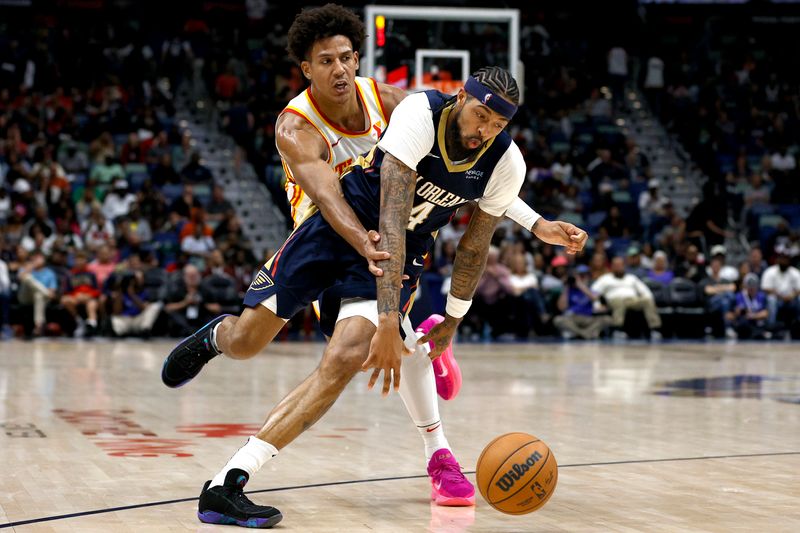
pixel 368 309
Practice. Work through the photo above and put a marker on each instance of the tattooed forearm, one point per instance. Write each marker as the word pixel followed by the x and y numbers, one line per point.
pixel 397 196
pixel 471 254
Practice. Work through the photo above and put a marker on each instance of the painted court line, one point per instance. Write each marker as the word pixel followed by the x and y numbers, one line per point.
pixel 374 480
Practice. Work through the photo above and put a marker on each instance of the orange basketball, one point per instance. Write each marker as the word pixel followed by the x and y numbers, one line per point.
pixel 517 473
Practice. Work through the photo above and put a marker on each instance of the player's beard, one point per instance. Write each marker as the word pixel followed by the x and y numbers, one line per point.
pixel 455 141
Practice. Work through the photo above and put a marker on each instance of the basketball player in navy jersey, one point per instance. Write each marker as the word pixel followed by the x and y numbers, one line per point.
pixel 437 154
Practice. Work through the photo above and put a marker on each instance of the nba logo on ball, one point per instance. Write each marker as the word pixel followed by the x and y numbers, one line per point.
pixel 517 473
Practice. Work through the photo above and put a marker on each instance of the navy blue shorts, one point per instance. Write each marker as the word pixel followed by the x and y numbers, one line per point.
pixel 315 263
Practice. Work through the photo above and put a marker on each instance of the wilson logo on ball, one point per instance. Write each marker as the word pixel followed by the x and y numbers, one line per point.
pixel 517 471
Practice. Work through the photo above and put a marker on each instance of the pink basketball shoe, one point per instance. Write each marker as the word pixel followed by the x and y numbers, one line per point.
pixel 449 487
pixel 445 368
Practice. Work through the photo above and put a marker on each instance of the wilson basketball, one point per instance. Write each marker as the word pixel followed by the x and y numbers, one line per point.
pixel 517 473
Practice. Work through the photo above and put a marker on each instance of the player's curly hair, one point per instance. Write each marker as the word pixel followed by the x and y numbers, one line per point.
pixel 500 81
pixel 311 25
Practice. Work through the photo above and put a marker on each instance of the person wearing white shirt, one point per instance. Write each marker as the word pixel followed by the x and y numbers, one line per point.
pixel 623 291
pixel 783 160
pixel 781 282
pixel 5 299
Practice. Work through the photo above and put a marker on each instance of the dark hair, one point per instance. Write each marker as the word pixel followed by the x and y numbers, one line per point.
pixel 500 81
pixel 311 25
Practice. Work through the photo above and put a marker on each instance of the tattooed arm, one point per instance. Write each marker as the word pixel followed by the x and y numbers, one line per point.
pixel 397 196
pixel 473 248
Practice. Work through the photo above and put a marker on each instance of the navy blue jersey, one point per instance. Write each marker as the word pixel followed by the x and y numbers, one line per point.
pixel 442 186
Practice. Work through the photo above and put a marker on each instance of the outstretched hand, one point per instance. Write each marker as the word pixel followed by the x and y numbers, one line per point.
pixel 441 335
pixel 561 234
pixel 385 354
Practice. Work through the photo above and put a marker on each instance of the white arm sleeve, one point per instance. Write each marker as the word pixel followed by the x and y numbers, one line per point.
pixel 504 184
pixel 522 214
pixel 410 134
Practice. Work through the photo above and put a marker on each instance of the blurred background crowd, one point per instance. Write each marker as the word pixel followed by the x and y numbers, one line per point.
pixel 112 224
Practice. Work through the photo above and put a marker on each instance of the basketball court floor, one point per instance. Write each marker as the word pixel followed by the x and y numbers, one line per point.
pixel 672 437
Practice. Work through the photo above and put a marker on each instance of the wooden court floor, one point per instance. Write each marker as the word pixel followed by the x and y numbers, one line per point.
pixel 663 438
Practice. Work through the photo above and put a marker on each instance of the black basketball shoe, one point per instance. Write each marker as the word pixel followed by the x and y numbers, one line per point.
pixel 227 504
pixel 187 359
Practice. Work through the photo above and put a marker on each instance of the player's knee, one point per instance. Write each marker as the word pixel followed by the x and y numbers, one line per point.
pixel 343 360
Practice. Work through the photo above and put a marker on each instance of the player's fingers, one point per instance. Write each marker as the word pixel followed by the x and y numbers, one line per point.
pixel 374 236
pixel 387 381
pixel 376 255
pixel 424 339
pixel 373 378
pixel 374 270
pixel 366 365
pixel 396 372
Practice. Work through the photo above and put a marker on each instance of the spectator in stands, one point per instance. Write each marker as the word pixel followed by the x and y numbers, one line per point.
pixel 187 308
pixel 598 265
pixel 164 172
pixel 652 209
pixel 623 292
pixel 38 240
pixel 728 272
pixel 614 226
pixel 691 266
pixel 98 231
pixel 618 72
pixel 105 173
pixel 37 286
pixel 577 305
pixel 40 220
pixel 118 201
pixel 195 172
pixel 87 203
pixel 633 263
pixel 198 246
pixel 5 300
pixel 73 159
pixel 227 85
pixel 654 84
pixel 782 161
pixel 660 272
pixel 135 229
pixel 102 148
pixel 707 223
pixel 185 203
pixel 781 283
pixel 218 206
pixel 750 314
pixel 525 300
pixel 82 291
pixel 131 313
pixel 133 151
pixel 720 293
pixel 104 264
pixel 5 205
pixel 755 261
pixel 493 287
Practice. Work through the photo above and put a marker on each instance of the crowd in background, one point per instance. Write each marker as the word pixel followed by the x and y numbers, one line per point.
pixel 110 220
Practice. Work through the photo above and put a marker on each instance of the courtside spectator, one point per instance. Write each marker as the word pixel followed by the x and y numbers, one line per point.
pixel 623 292
pixel 82 291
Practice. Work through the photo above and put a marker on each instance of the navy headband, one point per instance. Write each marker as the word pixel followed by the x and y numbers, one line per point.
pixel 485 96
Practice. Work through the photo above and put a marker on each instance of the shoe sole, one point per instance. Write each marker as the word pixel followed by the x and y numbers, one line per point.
pixel 164 364
pixel 445 501
pixel 213 517
pixel 445 367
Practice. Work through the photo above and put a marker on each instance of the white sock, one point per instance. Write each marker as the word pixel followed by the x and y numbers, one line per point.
pixel 250 458
pixel 418 391
pixel 214 336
